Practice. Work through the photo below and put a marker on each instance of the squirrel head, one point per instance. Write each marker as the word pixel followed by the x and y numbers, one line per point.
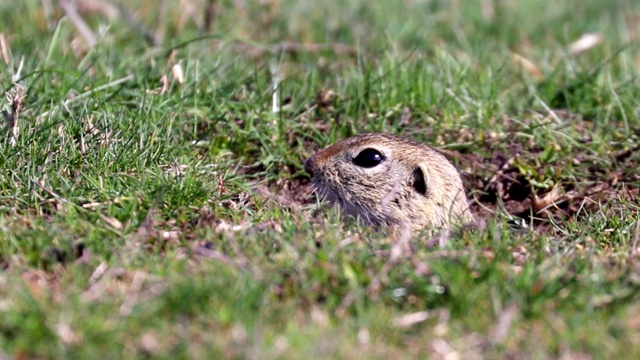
pixel 388 181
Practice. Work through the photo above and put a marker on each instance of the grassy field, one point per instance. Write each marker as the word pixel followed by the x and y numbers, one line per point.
pixel 153 202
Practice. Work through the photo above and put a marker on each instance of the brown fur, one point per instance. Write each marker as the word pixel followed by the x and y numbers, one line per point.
pixel 386 195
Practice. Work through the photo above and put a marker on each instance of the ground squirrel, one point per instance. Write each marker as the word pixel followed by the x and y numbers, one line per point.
pixel 389 181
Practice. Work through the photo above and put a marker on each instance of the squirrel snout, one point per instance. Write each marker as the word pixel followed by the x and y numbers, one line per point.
pixel 308 166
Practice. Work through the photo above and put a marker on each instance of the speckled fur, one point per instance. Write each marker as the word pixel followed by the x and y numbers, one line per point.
pixel 384 195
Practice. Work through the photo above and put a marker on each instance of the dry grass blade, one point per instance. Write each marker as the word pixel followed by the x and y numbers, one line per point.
pixel 277 77
pixel 178 73
pixel 444 350
pixel 79 22
pixel 66 334
pixel 15 99
pixel 113 222
pixel 527 65
pixel 47 9
pixel 91 92
pixel 104 8
pixel 503 325
pixel 99 282
pixel 409 320
pixel 586 42
pixel 55 195
pixel 550 199
pixel 98 272
pixel 6 55
pixel 132 294
pixel 636 240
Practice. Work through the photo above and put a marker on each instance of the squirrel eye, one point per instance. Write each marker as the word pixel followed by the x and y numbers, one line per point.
pixel 368 158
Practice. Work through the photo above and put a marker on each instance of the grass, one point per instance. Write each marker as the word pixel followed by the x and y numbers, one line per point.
pixel 148 214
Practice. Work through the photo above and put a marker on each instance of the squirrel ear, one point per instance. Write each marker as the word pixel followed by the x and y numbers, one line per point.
pixel 420 180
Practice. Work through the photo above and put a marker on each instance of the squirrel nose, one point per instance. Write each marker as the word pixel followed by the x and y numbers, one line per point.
pixel 308 166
